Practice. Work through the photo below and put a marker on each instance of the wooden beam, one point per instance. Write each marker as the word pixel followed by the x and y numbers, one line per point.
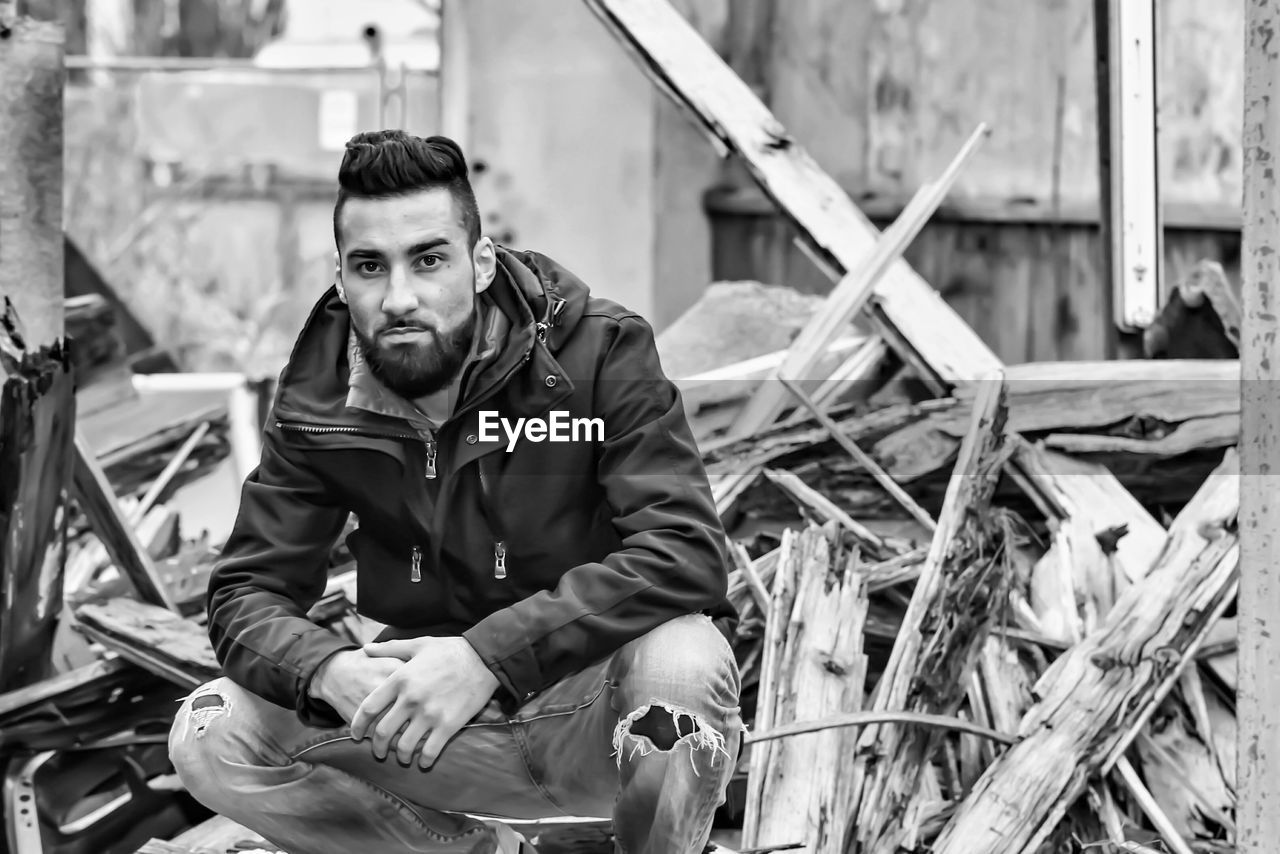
pixel 1096 697
pixel 933 654
pixel 31 85
pixel 799 791
pixel 849 296
pixel 159 641
pixel 688 69
pixel 1258 703
pixel 108 520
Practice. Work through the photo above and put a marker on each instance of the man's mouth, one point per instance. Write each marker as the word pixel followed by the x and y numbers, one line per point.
pixel 403 333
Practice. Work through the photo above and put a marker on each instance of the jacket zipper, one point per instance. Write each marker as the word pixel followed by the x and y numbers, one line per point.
pixel 415 565
pixel 499 545
pixel 429 470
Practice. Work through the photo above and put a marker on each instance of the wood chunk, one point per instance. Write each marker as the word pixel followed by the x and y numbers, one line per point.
pixel 959 590
pixel 153 638
pixel 1094 694
pixel 814 668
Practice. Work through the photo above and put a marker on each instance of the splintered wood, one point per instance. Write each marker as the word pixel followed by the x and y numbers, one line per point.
pixel 813 665
pixel 1096 696
pixel 964 580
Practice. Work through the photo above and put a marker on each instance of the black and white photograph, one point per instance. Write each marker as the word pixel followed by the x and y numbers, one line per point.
pixel 640 426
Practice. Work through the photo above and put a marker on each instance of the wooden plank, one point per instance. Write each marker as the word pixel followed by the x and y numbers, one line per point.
pixel 154 639
pixel 113 528
pixel 849 296
pixel 1258 704
pixel 933 656
pixel 1093 697
pixel 673 53
pixel 816 670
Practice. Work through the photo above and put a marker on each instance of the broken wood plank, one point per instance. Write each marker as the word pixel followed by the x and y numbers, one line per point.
pixel 850 295
pixel 689 70
pixel 99 504
pixel 1093 694
pixel 157 640
pixel 958 594
pixel 862 458
pixel 816 670
pixel 826 510
pixel 1074 488
pixel 37 409
pixel 1214 431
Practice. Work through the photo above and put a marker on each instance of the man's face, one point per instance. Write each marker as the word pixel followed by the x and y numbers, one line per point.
pixel 411 281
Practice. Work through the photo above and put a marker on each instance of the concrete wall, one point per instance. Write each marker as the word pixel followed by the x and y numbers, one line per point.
pixel 579 156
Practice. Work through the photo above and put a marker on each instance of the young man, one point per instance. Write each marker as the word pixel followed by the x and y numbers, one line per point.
pixel 553 587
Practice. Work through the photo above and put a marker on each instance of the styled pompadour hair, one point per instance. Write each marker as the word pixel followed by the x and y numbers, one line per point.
pixel 387 163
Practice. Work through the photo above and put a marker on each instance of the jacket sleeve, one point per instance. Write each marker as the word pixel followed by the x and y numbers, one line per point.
pixel 672 560
pixel 271 571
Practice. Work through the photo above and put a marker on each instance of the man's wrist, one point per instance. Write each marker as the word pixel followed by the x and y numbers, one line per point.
pixel 316 685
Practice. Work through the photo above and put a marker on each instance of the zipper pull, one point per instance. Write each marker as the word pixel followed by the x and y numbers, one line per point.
pixel 430 472
pixel 415 569
pixel 499 559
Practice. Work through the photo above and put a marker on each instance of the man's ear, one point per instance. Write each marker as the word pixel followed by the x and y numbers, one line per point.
pixel 337 276
pixel 485 259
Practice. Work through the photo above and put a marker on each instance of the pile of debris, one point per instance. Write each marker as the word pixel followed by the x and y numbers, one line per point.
pixel 959 633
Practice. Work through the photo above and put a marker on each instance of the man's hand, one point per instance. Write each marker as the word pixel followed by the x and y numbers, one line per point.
pixel 348 677
pixel 441 685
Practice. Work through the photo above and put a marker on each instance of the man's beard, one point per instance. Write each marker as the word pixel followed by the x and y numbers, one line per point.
pixel 417 370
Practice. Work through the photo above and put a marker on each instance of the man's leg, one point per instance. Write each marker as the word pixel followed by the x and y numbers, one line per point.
pixel 316 791
pixel 657 749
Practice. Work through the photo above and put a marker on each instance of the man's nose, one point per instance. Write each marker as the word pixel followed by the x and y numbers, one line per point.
pixel 398 299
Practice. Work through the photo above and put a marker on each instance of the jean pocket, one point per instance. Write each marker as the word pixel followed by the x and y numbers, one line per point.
pixel 573 694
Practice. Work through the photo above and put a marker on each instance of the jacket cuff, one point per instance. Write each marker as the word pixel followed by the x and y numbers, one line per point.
pixel 517 669
pixel 318 649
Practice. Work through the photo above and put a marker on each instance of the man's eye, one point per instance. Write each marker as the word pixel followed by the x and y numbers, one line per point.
pixel 368 267
pixel 429 261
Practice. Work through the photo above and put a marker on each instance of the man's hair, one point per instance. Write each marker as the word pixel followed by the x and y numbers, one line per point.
pixel 388 163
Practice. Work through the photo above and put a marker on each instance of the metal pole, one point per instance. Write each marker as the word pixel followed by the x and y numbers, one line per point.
pixel 1258 701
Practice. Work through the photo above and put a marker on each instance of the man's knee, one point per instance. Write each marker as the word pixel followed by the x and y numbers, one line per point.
pixel 678 661
pixel 201 736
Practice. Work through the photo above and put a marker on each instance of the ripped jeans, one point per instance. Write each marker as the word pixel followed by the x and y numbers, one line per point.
pixel 648 736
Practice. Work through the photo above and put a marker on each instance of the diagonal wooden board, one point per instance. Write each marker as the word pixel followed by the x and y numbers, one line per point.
pixel 908 311
pixel 684 65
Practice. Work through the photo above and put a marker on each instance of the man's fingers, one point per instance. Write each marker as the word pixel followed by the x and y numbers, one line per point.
pixel 373 706
pixel 435 744
pixel 387 728
pixel 408 742
pixel 401 649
